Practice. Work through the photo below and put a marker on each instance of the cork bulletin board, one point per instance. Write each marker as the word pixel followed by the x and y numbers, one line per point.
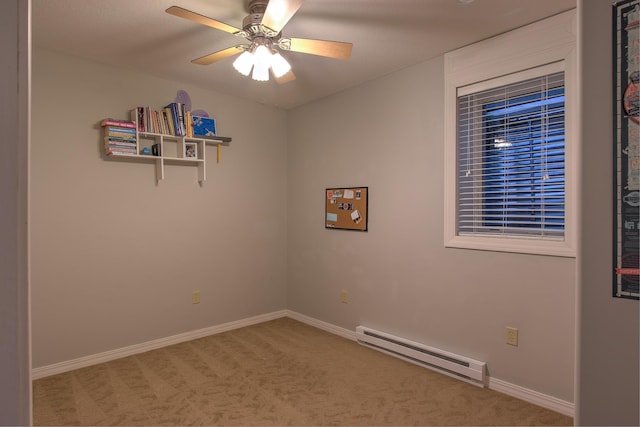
pixel 347 208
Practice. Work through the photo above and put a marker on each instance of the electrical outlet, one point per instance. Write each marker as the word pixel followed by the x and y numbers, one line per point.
pixel 195 297
pixel 344 297
pixel 512 336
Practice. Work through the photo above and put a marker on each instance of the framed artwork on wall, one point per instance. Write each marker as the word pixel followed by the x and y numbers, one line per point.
pixel 626 146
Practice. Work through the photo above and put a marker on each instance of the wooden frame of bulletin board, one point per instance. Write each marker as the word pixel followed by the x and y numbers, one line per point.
pixel 347 208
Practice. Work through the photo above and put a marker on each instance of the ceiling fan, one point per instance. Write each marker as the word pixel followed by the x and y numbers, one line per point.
pixel 262 28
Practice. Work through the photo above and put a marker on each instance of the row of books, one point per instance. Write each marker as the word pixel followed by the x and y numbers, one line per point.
pixel 173 119
pixel 170 120
pixel 119 137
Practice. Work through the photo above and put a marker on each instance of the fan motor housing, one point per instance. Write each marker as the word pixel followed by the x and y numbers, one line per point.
pixel 257 6
pixel 252 23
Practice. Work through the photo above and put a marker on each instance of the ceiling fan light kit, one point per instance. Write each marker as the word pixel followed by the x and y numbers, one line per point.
pixel 262 28
pixel 261 56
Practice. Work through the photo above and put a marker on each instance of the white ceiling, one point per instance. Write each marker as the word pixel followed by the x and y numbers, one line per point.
pixel 387 35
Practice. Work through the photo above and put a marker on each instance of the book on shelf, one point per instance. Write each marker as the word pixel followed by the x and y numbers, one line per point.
pixel 183 127
pixel 156 121
pixel 116 134
pixel 120 139
pixel 117 129
pixel 118 123
pixel 118 151
pixel 177 118
pixel 188 123
pixel 161 122
pixel 122 144
pixel 166 120
pixel 148 123
pixel 124 148
pixel 121 152
pixel 137 116
pixel 151 121
pixel 170 122
pixel 120 135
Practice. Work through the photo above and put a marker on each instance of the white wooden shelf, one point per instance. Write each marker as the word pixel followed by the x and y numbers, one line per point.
pixel 172 151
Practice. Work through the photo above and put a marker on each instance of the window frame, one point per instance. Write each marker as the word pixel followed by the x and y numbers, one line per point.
pixel 523 53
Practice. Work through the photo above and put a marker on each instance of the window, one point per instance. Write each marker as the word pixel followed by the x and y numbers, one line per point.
pixel 511 174
pixel 509 141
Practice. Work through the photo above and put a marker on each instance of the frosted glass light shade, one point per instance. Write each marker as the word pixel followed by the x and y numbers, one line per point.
pixel 260 74
pixel 262 56
pixel 261 63
pixel 244 63
pixel 279 65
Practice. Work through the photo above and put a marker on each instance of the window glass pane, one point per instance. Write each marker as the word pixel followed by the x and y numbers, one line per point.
pixel 511 159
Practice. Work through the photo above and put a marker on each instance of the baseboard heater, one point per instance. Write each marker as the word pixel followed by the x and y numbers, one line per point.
pixel 456 366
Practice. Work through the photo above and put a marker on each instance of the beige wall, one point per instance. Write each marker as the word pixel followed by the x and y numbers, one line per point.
pixel 115 257
pixel 387 135
pixel 608 389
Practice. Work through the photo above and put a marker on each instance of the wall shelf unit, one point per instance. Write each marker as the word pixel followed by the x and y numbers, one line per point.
pixel 163 150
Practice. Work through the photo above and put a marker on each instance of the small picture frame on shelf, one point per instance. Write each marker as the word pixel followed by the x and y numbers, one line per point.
pixel 191 150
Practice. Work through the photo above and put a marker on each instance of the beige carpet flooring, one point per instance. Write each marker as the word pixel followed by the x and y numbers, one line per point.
pixel 281 372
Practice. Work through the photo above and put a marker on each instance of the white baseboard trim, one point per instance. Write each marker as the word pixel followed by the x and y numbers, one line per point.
pixel 549 402
pixel 94 359
pixel 345 333
pixel 531 396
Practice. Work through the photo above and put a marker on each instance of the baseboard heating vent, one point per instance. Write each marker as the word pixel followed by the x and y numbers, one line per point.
pixel 456 366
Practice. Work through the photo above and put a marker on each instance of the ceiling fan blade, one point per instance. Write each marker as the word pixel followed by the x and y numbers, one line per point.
pixel 338 50
pixel 201 19
pixel 219 55
pixel 286 78
pixel 279 12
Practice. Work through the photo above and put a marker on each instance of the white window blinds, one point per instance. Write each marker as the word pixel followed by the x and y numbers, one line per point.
pixel 511 159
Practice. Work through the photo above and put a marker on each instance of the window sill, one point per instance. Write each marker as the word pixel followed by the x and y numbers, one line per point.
pixel 521 245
